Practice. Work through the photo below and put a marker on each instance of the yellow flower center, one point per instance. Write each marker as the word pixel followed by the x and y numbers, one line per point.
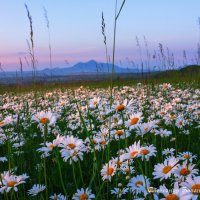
pixel 127 170
pixel 134 120
pixel 1 123
pixel 44 120
pixel 195 189
pixel 71 146
pixel 184 171
pixel 11 183
pixel 103 134
pixel 62 104
pixel 165 86
pixel 118 162
pixel 120 107
pixel 83 197
pixel 94 141
pixel 172 117
pixel 115 119
pixel 95 102
pixel 110 170
pixel 103 142
pixel 166 169
pixel 144 151
pixel 187 156
pixel 138 183
pixel 180 123
pixel 119 132
pixel 172 197
pixel 133 153
pixel 51 146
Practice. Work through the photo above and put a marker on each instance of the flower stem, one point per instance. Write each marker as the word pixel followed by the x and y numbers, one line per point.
pixel 45 171
pixel 80 172
pixel 74 176
pixel 60 174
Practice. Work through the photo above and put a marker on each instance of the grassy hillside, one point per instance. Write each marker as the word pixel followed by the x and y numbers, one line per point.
pixel 189 73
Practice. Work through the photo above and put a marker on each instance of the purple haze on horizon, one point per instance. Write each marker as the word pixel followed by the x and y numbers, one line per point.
pixel 75 30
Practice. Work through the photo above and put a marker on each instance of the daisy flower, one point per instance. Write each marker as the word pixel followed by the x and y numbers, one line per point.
pixel 93 142
pixel 125 168
pixel 175 193
pixel 49 146
pixel 134 120
pixel 176 100
pixel 121 106
pixel 94 102
pixel 165 170
pixel 118 160
pixel 161 113
pixel 144 128
pixel 166 86
pixel 3 159
pixel 119 191
pixel 139 184
pixel 168 152
pixel 2 138
pixel 37 188
pixel 44 118
pixel 58 197
pixel 7 120
pixel 83 194
pixel 133 151
pixel 72 143
pixel 185 170
pixel 72 156
pixel 120 134
pixel 180 122
pixel 163 132
pixel 147 151
pixel 108 171
pixel 72 148
pixel 192 186
pixel 10 181
pixel 186 156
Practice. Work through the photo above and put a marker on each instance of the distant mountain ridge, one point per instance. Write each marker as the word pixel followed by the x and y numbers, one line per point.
pixel 90 67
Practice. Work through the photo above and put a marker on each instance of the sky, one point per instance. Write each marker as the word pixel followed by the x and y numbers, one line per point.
pixel 75 31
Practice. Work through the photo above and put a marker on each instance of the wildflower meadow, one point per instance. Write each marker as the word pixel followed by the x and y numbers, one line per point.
pixel 136 140
pixel 143 143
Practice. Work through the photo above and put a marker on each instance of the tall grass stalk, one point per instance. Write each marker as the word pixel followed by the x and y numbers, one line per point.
pixel 140 52
pixel 31 44
pixel 21 69
pixel 49 37
pixel 103 25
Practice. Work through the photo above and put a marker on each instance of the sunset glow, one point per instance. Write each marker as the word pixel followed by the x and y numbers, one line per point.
pixel 75 30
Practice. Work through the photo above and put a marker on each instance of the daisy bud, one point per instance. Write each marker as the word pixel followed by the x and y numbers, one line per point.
pixel 119 185
pixel 172 139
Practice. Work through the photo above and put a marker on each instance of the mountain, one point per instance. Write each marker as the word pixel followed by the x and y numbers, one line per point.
pixel 90 67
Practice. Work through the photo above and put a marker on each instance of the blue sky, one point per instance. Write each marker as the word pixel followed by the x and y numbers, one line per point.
pixel 75 28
